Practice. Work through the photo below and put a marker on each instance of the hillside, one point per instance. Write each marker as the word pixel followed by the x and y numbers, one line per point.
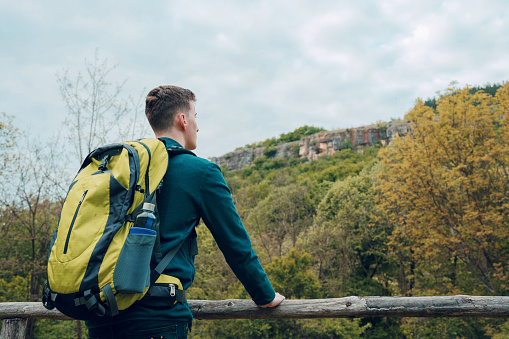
pixel 314 146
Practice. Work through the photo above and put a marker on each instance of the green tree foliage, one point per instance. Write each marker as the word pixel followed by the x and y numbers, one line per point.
pixel 299 133
pixel 13 288
pixel 283 214
pixel 293 276
pixel 498 330
pixel 270 151
pixel 447 328
pixel 328 168
pixel 488 88
pixel 61 329
pixel 281 329
pixel 349 239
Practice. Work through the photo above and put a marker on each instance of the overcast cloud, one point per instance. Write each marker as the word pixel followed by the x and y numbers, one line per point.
pixel 258 68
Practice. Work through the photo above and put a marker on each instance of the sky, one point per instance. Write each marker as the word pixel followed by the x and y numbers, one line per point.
pixel 258 68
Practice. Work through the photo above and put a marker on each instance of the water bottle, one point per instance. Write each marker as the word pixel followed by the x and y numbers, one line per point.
pixel 146 218
pixel 138 247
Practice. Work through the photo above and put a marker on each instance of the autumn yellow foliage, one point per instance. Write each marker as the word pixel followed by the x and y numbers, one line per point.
pixel 446 187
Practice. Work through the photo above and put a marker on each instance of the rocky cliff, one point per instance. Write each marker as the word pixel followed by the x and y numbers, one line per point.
pixel 319 144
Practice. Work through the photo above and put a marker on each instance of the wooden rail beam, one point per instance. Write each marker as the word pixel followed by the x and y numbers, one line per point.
pixel 349 307
pixel 357 307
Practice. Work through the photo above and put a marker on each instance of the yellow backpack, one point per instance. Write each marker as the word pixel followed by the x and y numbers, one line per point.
pixel 99 262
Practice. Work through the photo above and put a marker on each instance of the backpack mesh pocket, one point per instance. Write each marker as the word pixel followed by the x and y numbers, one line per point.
pixel 132 273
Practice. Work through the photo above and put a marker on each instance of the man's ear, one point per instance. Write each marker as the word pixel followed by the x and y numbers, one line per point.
pixel 182 120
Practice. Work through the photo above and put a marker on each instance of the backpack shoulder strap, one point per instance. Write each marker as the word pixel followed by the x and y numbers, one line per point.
pixel 158 270
pixel 167 259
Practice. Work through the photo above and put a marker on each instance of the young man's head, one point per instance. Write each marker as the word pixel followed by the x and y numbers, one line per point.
pixel 170 111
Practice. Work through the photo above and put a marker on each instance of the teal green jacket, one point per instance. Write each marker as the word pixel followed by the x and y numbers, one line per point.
pixel 193 189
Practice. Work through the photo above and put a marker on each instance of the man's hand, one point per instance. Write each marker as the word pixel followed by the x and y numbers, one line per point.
pixel 277 300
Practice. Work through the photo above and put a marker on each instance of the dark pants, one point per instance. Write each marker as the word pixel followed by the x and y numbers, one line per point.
pixel 152 330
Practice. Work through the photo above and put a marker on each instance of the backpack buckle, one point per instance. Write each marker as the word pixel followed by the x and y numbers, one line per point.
pixel 48 297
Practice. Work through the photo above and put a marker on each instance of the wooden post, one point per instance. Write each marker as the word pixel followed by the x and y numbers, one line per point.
pixel 14 328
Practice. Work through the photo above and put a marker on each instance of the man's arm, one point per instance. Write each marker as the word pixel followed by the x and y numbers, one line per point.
pixel 219 214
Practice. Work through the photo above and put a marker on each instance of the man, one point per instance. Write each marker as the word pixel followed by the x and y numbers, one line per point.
pixel 193 189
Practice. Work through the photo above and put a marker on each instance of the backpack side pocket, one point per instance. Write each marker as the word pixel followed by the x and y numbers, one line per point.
pixel 132 272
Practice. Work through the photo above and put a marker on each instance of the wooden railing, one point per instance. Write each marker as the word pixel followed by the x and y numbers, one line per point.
pixel 14 315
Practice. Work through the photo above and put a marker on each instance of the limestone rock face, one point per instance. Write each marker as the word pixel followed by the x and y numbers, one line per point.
pixel 319 144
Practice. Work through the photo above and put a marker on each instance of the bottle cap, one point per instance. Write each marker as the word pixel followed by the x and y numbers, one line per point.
pixel 149 206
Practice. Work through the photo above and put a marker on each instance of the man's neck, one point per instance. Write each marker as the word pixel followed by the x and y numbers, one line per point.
pixel 175 136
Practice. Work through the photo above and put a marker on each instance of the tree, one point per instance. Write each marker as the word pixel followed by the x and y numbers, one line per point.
pixel 97 112
pixel 349 238
pixel 447 188
pixel 293 276
pixel 283 214
pixel 7 140
pixel 30 202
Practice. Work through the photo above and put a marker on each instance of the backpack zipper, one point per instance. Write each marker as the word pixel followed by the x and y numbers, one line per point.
pixel 73 220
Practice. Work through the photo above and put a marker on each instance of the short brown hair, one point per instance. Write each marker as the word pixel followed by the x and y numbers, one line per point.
pixel 164 102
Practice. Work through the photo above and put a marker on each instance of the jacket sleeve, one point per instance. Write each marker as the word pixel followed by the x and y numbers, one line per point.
pixel 219 214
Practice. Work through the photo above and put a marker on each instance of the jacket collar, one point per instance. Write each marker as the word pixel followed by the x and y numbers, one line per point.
pixel 170 143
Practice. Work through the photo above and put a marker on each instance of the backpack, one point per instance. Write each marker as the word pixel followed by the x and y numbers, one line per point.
pixel 99 262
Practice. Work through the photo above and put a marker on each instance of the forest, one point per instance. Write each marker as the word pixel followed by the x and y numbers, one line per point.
pixel 426 215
